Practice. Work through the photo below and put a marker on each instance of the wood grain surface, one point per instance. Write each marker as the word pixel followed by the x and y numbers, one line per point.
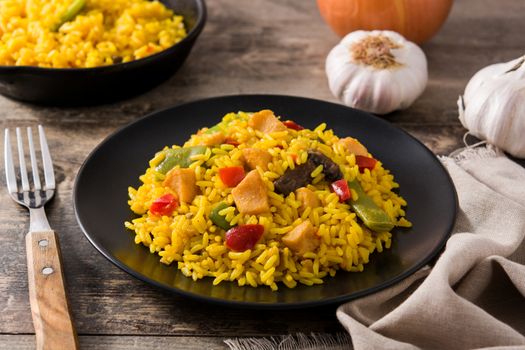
pixel 258 46
pixel 52 321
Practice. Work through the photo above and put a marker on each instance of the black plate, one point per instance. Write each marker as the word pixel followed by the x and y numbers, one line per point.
pixel 100 197
pixel 88 86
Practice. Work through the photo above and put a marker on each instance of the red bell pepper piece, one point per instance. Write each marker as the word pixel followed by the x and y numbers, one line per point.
pixel 164 205
pixel 244 237
pixel 290 124
pixel 231 141
pixel 231 176
pixel 365 163
pixel 340 187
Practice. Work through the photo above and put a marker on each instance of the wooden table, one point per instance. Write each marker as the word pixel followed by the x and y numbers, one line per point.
pixel 258 46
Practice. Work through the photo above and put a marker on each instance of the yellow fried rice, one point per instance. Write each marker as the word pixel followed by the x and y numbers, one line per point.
pixel 194 244
pixel 103 33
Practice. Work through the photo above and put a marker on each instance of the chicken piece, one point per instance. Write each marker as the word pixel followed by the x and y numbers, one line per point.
pixel 307 198
pixel 256 157
pixel 266 122
pixel 183 182
pixel 354 146
pixel 250 195
pixel 302 239
pixel 213 139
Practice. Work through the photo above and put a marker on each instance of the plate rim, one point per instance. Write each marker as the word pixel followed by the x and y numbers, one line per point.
pixel 265 305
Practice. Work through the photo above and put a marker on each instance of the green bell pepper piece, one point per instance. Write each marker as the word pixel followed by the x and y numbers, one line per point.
pixel 180 157
pixel 373 217
pixel 221 126
pixel 218 219
pixel 216 128
pixel 72 11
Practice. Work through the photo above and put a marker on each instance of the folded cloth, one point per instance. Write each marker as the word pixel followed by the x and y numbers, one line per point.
pixel 474 295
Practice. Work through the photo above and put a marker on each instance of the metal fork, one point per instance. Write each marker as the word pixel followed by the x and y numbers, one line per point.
pixel 52 320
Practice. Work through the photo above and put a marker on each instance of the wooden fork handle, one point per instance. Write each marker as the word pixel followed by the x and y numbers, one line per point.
pixel 54 327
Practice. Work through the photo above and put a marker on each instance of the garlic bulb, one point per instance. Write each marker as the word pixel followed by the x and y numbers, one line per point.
pixel 376 71
pixel 493 106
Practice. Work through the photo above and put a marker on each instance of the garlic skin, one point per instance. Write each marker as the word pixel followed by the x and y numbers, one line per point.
pixel 493 106
pixel 391 76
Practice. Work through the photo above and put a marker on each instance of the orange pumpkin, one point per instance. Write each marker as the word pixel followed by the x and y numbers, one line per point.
pixel 416 20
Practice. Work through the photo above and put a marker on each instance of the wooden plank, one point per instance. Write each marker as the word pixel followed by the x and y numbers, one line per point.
pixel 280 47
pixel 27 342
pixel 105 300
pixel 112 302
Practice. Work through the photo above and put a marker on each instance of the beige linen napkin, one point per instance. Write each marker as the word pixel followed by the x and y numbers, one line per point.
pixel 473 297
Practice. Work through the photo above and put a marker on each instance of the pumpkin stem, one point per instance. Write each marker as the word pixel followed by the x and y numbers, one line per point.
pixel 375 51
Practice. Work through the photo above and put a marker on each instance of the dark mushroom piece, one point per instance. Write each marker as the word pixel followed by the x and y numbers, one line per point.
pixel 331 170
pixel 292 179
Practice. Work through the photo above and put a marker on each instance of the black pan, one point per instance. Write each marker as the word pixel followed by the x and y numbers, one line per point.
pixel 88 86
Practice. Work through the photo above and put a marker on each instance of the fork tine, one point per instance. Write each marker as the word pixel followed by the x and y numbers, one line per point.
pixel 34 164
pixel 49 174
pixel 9 166
pixel 21 159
